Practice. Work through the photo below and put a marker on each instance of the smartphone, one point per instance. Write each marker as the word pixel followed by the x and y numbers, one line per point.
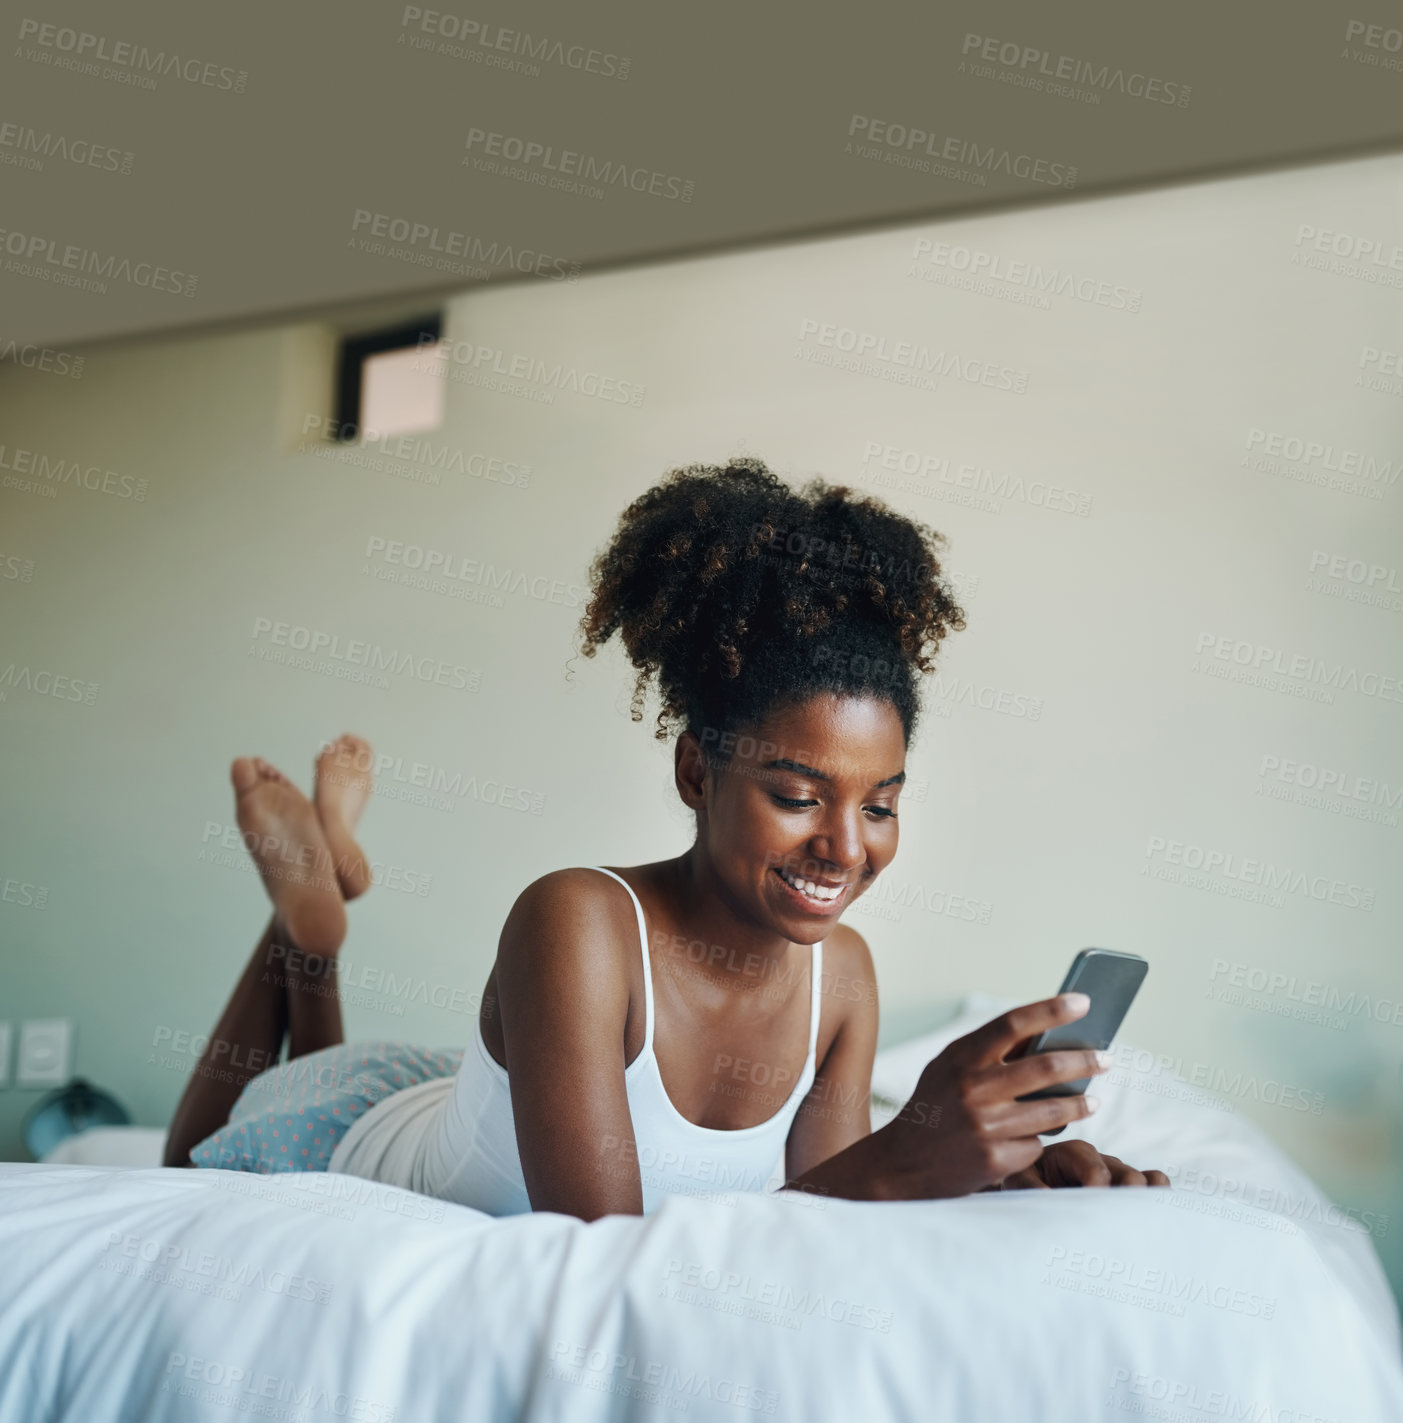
pixel 1111 980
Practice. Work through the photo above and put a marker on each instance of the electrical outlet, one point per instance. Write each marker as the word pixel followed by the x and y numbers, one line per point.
pixel 45 1052
pixel 4 1054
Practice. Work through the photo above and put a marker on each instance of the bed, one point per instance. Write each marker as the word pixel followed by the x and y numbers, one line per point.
pixel 136 1293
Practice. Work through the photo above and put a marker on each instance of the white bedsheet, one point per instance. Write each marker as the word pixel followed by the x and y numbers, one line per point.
pixel 1219 1163
pixel 207 1295
pixel 176 1295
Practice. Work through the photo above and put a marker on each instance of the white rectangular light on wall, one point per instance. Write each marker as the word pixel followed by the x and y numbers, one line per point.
pixel 400 394
pixel 45 1052
pixel 387 381
pixel 5 1036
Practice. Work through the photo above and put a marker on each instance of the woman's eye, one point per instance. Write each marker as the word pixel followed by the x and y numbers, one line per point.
pixel 884 811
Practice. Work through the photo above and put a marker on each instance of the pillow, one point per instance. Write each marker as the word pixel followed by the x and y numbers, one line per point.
pixel 291 1117
pixel 136 1148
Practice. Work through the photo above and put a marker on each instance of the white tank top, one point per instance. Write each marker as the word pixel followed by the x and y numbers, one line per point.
pixel 455 1138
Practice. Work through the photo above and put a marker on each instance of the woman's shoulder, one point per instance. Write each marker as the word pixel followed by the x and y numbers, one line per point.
pixel 567 966
pixel 848 983
pixel 574 888
pixel 572 911
pixel 845 951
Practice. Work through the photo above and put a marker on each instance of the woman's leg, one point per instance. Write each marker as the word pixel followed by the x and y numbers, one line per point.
pixel 247 1040
pixel 290 984
pixel 343 783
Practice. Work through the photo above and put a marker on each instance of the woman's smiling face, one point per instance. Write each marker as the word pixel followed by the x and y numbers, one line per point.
pixel 804 817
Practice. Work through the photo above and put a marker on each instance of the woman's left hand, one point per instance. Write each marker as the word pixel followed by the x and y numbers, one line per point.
pixel 1078 1163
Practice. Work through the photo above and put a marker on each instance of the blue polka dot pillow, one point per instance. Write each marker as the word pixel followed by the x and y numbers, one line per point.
pixel 292 1117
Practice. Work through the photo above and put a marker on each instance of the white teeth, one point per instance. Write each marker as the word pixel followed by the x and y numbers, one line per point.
pixel 814 891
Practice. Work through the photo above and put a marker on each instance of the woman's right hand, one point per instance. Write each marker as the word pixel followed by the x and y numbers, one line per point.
pixel 963 1131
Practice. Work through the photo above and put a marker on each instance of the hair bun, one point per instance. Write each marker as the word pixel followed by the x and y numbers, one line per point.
pixel 739 594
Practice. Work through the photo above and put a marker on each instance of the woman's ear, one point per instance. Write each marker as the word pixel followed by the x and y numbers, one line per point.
pixel 690 771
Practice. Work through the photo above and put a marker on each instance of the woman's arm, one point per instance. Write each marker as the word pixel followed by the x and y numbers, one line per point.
pixel 965 1129
pixel 837 1110
pixel 563 994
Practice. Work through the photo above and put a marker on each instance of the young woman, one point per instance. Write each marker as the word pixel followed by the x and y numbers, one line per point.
pixel 692 1025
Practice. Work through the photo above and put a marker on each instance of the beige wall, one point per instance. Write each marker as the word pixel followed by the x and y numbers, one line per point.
pixel 1193 320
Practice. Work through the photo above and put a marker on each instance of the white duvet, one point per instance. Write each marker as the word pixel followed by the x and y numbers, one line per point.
pixel 178 1295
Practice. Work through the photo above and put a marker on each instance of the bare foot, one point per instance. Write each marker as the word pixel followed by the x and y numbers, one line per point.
pixel 282 833
pixel 344 781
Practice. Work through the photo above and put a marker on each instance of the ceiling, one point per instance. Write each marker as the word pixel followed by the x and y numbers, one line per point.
pixel 218 167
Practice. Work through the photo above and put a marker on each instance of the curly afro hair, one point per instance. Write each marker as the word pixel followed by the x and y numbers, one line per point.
pixel 742 595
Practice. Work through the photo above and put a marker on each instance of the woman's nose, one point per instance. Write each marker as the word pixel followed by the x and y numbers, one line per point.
pixel 839 845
